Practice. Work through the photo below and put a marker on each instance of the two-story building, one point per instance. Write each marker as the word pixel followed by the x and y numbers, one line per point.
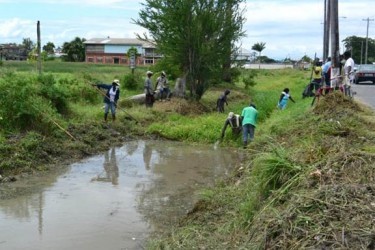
pixel 114 51
pixel 12 51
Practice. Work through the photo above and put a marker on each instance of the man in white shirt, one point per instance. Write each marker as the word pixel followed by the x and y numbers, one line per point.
pixel 349 73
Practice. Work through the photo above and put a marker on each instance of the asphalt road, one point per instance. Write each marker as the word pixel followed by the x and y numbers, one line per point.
pixel 365 93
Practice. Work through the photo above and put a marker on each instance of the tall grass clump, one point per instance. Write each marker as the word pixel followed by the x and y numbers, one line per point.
pixel 133 81
pixel 56 93
pixel 273 174
pixel 26 103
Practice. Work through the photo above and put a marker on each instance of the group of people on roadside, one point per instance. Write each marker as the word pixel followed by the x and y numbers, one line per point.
pixel 321 74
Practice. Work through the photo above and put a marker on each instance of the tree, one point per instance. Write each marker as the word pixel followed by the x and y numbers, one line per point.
pixel 132 50
pixel 259 47
pixel 356 45
pixel 28 44
pixel 196 35
pixel 306 58
pixel 233 20
pixel 74 50
pixel 49 48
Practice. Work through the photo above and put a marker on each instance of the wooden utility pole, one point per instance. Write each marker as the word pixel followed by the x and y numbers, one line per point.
pixel 326 29
pixel 335 47
pixel 368 24
pixel 39 49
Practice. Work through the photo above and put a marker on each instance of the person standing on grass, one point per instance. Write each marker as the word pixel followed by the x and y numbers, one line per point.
pixel 221 101
pixel 149 92
pixel 284 97
pixel 110 98
pixel 249 118
pixel 349 73
pixel 326 70
pixel 317 75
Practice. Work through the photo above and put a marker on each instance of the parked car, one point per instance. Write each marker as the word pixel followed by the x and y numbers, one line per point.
pixel 365 72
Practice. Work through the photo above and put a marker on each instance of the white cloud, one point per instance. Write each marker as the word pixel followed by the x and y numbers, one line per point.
pixel 295 27
pixel 289 27
pixel 16 27
pixel 105 3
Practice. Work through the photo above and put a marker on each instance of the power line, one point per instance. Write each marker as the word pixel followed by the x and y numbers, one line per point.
pixel 368 24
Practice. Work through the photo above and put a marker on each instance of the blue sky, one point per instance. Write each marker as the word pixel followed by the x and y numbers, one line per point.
pixel 290 28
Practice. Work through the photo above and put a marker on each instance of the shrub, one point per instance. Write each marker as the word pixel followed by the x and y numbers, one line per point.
pixel 248 79
pixel 54 92
pixel 23 107
pixel 130 81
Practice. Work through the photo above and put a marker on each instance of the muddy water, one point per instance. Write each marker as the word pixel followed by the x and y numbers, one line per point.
pixel 114 200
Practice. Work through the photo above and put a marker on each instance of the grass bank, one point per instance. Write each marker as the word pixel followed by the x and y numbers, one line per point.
pixel 309 185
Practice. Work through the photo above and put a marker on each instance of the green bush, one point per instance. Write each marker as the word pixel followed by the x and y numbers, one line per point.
pixel 130 81
pixel 23 106
pixel 55 93
pixel 235 74
pixel 249 79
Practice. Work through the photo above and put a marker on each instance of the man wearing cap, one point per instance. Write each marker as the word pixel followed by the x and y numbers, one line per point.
pixel 110 98
pixel 162 83
pixel 149 92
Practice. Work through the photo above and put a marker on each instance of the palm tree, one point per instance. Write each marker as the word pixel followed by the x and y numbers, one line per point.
pixel 259 47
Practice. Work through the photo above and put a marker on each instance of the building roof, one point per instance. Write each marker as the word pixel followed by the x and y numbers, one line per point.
pixel 120 41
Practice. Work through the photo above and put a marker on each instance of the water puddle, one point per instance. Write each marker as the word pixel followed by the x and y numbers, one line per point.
pixel 113 200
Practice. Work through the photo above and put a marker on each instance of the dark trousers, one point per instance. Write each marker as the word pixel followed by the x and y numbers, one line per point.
pixel 248 133
pixel 150 99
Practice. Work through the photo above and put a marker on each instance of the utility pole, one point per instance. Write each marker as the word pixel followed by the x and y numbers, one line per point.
pixel 39 48
pixel 326 29
pixel 368 24
pixel 335 48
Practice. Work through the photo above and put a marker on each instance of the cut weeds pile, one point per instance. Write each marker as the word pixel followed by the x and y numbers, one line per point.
pixel 310 185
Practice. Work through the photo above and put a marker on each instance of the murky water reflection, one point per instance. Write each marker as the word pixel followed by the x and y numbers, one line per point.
pixel 113 200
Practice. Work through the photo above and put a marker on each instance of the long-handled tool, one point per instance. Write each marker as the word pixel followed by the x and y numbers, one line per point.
pixel 54 122
pixel 103 94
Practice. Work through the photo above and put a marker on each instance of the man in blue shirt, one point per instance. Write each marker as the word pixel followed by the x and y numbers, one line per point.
pixel 249 118
pixel 111 97
pixel 326 71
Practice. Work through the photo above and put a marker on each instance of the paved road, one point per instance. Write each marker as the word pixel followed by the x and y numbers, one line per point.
pixel 365 94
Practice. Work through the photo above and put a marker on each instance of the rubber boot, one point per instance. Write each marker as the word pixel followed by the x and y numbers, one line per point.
pixel 105 117
pixel 113 118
